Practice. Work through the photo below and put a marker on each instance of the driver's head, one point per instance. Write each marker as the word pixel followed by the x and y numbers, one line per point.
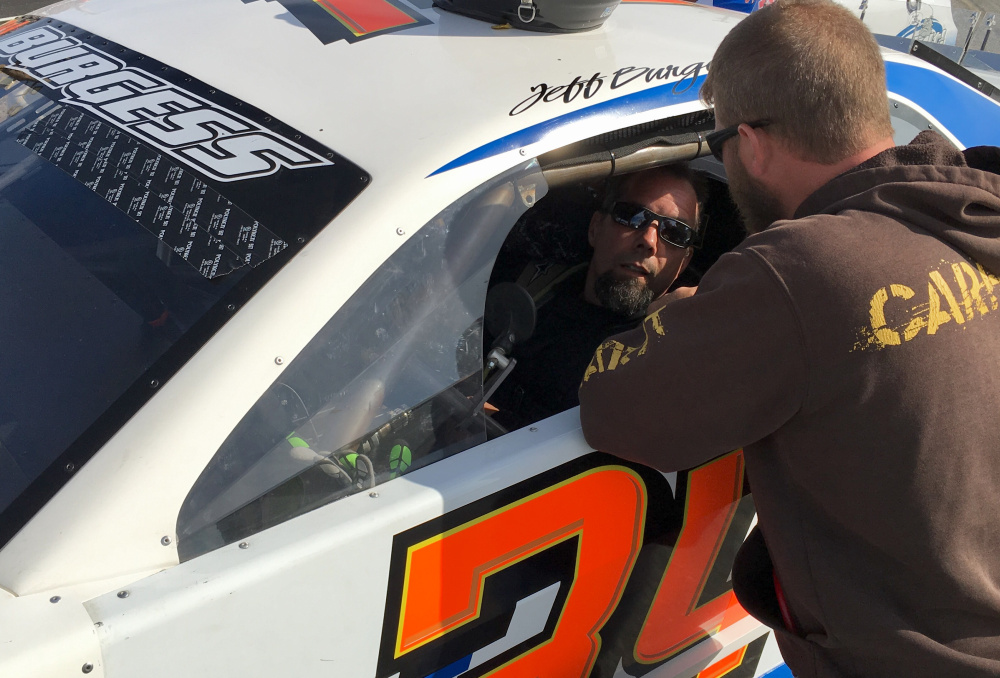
pixel 633 262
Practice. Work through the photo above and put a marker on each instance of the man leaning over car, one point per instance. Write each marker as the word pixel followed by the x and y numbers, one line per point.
pixel 850 346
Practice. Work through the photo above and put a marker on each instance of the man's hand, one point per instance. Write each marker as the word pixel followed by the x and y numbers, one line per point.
pixel 679 293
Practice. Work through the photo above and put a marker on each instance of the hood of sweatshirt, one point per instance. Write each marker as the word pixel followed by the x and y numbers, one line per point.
pixel 951 194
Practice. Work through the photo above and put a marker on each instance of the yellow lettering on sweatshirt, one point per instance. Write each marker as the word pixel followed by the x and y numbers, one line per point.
pixel 976 297
pixel 935 316
pixel 613 354
pixel 942 286
pixel 654 320
pixel 597 362
pixel 884 335
pixel 972 293
pixel 616 355
pixel 989 282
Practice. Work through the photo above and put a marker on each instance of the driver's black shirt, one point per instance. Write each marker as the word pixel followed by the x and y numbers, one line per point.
pixel 551 363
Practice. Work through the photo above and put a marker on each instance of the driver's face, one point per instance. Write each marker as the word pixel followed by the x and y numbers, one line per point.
pixel 641 255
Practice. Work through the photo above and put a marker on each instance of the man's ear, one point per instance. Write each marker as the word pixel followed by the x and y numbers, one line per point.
pixel 595 221
pixel 756 149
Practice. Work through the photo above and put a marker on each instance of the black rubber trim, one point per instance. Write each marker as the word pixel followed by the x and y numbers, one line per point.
pixel 935 58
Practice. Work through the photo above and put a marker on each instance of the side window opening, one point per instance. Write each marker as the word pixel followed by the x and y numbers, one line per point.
pixel 391 383
pixel 548 254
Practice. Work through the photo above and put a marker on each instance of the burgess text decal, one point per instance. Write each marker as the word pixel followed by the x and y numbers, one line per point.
pixel 195 131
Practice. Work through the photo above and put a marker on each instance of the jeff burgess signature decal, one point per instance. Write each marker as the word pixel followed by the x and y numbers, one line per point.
pixel 582 86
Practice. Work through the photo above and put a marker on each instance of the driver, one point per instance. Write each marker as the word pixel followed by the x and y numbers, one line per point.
pixel 643 236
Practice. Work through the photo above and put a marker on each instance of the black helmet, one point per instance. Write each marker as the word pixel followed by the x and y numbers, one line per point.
pixel 553 16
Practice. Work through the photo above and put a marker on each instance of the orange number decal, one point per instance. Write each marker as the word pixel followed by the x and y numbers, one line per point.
pixel 577 540
pixel 677 617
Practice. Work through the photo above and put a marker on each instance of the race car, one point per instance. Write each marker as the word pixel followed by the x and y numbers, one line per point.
pixel 256 296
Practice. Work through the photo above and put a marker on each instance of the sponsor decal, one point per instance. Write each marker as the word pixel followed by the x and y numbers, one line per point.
pixel 191 129
pixel 200 170
pixel 590 569
pixel 584 87
pixel 923 26
pixel 351 20
pixel 201 226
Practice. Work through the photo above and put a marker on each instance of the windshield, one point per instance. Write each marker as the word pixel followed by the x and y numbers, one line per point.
pixel 130 230
pixel 89 299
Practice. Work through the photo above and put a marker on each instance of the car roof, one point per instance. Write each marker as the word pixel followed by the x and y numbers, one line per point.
pixel 429 95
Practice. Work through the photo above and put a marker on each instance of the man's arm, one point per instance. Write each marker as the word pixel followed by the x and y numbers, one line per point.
pixel 702 375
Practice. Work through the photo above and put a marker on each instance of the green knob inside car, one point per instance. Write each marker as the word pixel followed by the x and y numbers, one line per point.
pixel 399 459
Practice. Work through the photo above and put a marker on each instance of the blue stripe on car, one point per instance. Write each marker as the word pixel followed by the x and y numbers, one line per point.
pixel 639 102
pixel 779 672
pixel 972 117
pixel 453 669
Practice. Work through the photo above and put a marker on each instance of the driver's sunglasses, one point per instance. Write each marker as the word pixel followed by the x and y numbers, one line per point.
pixel 716 140
pixel 670 230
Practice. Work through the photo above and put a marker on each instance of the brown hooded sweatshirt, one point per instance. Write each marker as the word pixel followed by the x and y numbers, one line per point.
pixel 854 353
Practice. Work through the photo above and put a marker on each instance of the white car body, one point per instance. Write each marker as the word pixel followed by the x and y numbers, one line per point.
pixel 91 578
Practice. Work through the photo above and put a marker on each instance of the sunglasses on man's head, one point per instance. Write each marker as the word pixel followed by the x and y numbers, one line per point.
pixel 672 231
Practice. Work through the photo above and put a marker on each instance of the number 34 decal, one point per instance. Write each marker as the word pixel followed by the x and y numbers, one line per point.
pixel 569 573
